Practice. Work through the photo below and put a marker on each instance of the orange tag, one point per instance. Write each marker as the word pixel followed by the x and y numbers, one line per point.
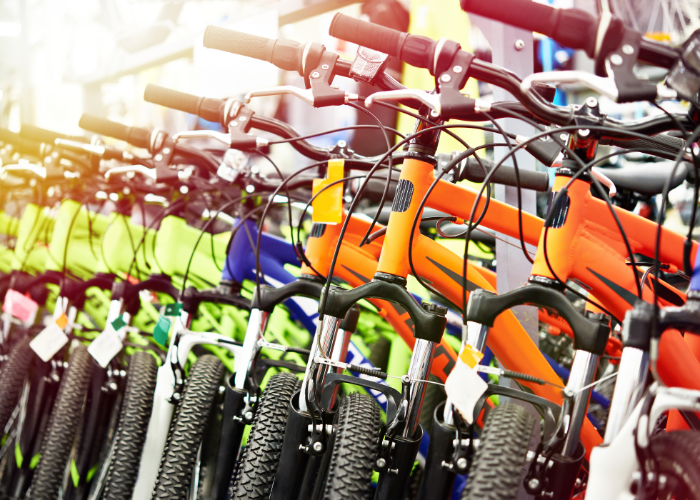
pixel 328 206
pixel 470 356
pixel 62 321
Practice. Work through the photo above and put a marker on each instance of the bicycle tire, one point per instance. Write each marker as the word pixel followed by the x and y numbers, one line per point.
pixel 132 427
pixel 12 378
pixel 256 472
pixel 354 451
pixel 498 464
pixel 676 455
pixel 62 428
pixel 175 474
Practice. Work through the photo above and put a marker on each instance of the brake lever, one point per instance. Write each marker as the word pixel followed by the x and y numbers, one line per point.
pixel 603 86
pixel 305 95
pixel 321 93
pixel 148 172
pixel 430 100
pixel 203 134
pixel 37 170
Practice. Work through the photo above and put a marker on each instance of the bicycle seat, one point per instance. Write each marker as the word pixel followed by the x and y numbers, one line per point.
pixel 647 178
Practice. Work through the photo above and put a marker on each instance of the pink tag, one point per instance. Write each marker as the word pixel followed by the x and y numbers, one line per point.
pixel 20 306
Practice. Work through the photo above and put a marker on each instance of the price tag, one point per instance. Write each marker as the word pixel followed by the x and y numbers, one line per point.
pixel 20 306
pixel 464 386
pixel 328 205
pixel 62 321
pixel 105 346
pixel 118 323
pixel 173 310
pixel 49 342
pixel 160 332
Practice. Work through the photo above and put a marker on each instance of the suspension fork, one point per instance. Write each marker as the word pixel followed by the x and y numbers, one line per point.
pixel 303 457
pixel 633 369
pixel 578 388
pixel 257 323
pixel 315 375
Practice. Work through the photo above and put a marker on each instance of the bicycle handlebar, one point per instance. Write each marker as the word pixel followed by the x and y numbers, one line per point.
pixel 285 54
pixel 20 144
pixel 139 137
pixel 46 136
pixel 412 49
pixel 573 28
pixel 206 108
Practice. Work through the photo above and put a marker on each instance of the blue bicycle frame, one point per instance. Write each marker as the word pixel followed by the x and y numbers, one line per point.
pixel 275 253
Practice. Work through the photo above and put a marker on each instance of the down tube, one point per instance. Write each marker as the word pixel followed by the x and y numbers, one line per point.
pixel 508 340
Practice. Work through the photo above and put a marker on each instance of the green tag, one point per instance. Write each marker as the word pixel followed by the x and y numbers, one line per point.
pixel 75 476
pixel 173 310
pixel 160 332
pixel 118 323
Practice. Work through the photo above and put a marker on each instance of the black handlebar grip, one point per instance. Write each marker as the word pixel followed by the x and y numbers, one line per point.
pixel 206 108
pixel 285 54
pixel 139 137
pixel 39 134
pixel 21 145
pixel 412 49
pixel 529 179
pixel 669 144
pixel 573 28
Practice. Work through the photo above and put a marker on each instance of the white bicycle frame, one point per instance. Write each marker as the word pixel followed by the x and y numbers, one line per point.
pixel 182 342
pixel 613 466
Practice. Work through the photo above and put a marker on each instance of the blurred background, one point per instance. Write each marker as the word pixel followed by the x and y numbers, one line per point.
pixel 62 58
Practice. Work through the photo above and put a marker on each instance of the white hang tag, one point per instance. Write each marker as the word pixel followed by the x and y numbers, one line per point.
pixel 105 346
pixel 49 342
pixel 464 387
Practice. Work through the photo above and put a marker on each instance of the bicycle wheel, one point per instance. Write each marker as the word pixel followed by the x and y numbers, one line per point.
pixel 132 427
pixel 62 428
pixel 174 476
pixel 12 378
pixel 355 448
pixel 498 466
pixel 676 454
pixel 257 468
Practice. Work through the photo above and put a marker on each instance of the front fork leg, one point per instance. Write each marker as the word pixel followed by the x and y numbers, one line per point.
pixel 402 449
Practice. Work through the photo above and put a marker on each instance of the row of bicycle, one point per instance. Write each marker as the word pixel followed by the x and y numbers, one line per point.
pixel 158 341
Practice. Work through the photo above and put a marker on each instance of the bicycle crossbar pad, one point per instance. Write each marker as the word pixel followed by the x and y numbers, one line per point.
pixel 589 334
pixel 428 326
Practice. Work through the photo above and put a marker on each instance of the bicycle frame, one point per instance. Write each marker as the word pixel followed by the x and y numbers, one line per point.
pixel 443 268
pixel 613 465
